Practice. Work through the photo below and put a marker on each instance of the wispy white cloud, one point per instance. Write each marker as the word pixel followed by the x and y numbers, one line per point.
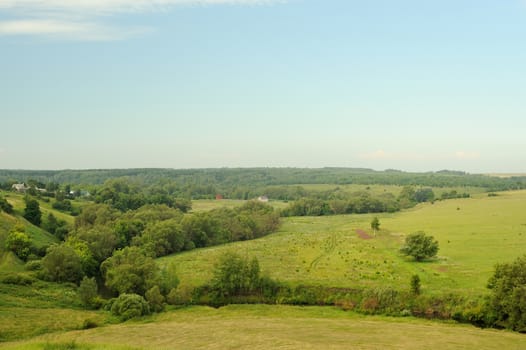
pixel 113 6
pixel 86 19
pixel 81 30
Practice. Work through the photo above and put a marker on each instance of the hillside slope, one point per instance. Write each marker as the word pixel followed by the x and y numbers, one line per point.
pixel 283 327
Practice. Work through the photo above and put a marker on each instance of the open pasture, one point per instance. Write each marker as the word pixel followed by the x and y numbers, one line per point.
pixel 283 327
pixel 209 204
pixel 474 234
pixel 380 189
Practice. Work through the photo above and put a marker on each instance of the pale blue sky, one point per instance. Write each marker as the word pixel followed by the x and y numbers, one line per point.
pixel 412 85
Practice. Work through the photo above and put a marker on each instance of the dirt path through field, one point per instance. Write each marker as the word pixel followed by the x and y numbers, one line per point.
pixel 362 234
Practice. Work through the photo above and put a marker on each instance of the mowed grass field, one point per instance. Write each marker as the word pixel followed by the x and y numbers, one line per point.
pixel 276 327
pixel 474 234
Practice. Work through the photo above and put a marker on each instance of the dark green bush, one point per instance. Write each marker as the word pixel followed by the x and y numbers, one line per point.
pixel 18 279
pixel 508 299
pixel 88 292
pixel 34 265
pixel 128 306
pixel 89 324
pixel 155 299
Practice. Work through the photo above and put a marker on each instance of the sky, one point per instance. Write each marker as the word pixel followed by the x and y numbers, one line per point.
pixel 383 84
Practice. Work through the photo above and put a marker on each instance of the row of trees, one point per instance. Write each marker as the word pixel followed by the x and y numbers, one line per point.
pixel 359 202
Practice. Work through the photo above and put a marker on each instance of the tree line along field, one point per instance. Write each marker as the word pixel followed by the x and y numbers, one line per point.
pixel 338 251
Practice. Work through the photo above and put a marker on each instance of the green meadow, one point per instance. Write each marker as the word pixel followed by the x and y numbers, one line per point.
pixel 209 204
pixel 275 327
pixel 474 234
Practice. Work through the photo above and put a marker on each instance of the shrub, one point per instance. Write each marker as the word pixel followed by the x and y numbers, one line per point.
pixel 18 279
pixel 5 206
pixel 19 243
pixel 89 324
pixel 128 306
pixel 34 265
pixel 415 284
pixel 382 300
pixel 179 296
pixel 155 299
pixel 88 292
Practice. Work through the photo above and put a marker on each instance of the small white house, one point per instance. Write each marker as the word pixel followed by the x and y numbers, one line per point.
pixel 263 199
pixel 20 187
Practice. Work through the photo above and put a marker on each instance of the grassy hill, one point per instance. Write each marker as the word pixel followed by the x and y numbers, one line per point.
pixel 271 327
pixel 331 251
pixel 35 307
pixel 9 263
pixel 342 251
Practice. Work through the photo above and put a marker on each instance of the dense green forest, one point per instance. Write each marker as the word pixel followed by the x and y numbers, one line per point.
pixel 251 182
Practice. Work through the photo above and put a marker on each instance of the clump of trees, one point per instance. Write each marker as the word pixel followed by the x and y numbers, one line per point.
pixel 62 264
pixel 507 304
pixel 357 203
pixel 19 242
pixel 238 279
pixel 235 275
pixel 117 249
pixel 130 271
pixel 420 246
pixel 339 202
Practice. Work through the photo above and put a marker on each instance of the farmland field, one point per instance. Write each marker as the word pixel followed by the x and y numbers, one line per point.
pixel 209 204
pixel 283 327
pixel 474 234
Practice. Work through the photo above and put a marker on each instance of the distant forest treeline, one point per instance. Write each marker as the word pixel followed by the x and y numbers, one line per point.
pixel 245 183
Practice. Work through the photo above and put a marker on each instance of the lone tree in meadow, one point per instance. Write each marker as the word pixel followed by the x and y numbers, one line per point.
pixel 375 224
pixel 420 246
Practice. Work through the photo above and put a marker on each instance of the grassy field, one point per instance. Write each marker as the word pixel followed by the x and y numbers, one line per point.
pixel 379 189
pixel 17 201
pixel 209 204
pixel 277 327
pixel 27 311
pixel 474 235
